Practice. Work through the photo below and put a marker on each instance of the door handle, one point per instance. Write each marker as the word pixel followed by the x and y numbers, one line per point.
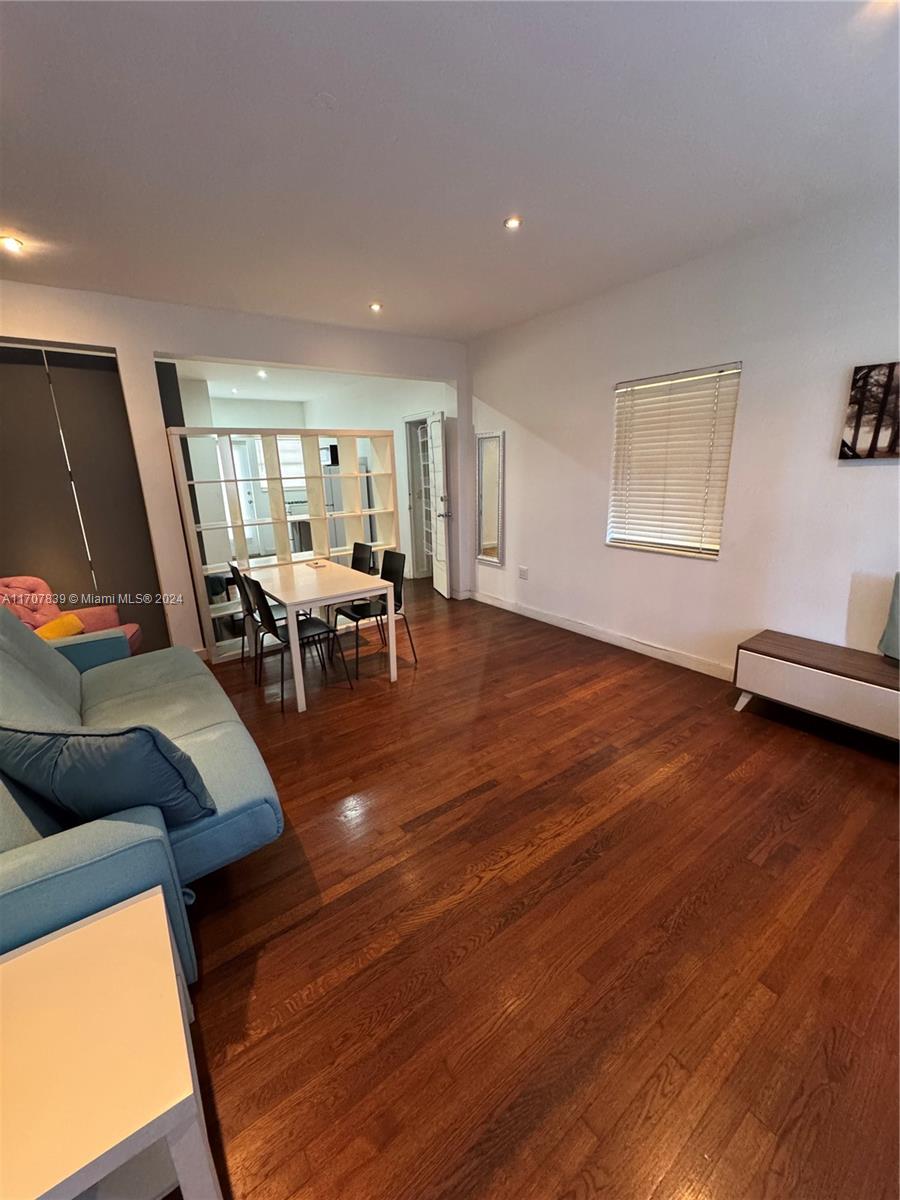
pixel 444 516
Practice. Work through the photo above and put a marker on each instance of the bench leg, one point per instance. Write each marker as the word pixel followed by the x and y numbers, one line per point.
pixel 743 700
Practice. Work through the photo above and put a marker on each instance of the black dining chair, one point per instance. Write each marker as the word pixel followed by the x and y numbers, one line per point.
pixel 361 559
pixel 392 567
pixel 248 610
pixel 310 630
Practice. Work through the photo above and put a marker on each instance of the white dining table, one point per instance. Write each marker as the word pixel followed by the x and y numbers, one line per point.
pixel 299 587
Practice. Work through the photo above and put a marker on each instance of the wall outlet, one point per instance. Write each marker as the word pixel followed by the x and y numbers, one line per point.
pixel 523 572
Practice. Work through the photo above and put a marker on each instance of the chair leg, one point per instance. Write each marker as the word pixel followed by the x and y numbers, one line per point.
pixel 258 657
pixel 320 654
pixel 379 621
pixel 343 662
pixel 409 635
pixel 281 656
pixel 356 623
pixel 243 636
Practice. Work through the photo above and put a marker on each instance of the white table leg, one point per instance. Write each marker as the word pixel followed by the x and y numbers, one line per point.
pixel 296 660
pixel 743 700
pixel 392 633
pixel 193 1161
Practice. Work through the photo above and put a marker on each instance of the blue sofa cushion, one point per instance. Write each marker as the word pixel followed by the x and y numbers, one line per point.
pixel 93 773
pixel 24 817
pixel 146 672
pixel 248 814
pixel 37 686
pixel 169 689
pixel 88 650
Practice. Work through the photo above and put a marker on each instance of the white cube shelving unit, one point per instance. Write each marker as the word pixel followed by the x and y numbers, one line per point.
pixel 264 496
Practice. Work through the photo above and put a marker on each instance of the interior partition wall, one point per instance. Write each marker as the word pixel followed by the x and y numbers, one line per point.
pixel 71 505
pixel 266 496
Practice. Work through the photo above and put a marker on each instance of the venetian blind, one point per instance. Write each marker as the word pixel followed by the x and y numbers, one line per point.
pixel 670 460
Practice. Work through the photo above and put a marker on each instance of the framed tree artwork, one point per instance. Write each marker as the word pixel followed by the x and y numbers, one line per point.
pixel 872 428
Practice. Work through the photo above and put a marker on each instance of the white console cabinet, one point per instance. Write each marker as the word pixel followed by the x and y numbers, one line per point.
pixel 851 686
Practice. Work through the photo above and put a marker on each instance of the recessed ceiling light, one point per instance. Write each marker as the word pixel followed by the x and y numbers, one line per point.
pixel 375 306
pixel 262 374
pixel 512 222
pixel 13 244
pixel 234 391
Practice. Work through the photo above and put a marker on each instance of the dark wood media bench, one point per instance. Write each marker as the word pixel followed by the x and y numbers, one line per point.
pixel 851 686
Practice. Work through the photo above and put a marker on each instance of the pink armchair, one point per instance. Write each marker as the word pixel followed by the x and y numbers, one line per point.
pixel 29 598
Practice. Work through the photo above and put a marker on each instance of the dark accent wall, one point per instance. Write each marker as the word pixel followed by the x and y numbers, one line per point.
pixel 41 532
pixel 92 414
pixel 169 394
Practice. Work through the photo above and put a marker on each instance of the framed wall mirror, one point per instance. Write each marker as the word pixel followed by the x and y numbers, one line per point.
pixel 489 463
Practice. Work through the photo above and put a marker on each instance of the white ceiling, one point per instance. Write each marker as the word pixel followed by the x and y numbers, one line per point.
pixel 303 159
pixel 303 384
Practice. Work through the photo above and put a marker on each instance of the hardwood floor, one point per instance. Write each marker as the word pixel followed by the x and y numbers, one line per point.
pixel 549 920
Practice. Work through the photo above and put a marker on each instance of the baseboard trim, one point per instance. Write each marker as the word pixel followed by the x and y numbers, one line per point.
pixel 706 666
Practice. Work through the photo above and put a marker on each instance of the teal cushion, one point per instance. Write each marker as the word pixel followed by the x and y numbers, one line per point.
pixel 58 681
pixel 93 773
pixel 171 689
pixel 23 817
pixel 25 700
pixel 248 814
pixel 117 679
pixel 173 708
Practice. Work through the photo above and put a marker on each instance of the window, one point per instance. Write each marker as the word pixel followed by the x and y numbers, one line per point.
pixel 290 458
pixel 670 461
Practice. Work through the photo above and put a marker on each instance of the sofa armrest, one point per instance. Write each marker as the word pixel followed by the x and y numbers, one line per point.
pixel 47 884
pixel 87 650
pixel 97 618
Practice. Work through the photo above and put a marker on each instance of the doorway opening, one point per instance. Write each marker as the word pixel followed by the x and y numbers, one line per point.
pixel 426 473
pixel 252 398
pixel 421 513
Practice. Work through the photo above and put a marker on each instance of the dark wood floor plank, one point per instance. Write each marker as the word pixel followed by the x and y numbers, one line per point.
pixel 549 919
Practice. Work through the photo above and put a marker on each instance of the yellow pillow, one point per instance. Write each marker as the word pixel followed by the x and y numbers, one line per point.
pixel 63 626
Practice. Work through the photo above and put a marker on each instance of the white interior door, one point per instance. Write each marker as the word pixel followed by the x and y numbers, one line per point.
pixel 440 503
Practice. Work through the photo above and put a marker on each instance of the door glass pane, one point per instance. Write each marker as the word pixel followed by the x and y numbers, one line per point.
pixel 249 461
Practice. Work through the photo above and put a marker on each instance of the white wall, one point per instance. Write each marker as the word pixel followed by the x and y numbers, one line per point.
pixel 138 329
pixel 239 411
pixel 360 411
pixel 809 544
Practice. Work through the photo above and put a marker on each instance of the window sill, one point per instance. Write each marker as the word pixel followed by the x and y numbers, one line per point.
pixel 671 550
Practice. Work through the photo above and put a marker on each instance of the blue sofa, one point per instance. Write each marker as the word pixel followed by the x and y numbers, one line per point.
pixel 53 872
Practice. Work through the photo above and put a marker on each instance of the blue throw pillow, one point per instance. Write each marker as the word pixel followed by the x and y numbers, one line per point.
pixel 92 773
